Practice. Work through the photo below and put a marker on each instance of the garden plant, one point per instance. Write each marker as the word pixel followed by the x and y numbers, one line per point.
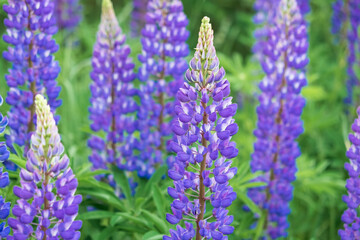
pixel 180 119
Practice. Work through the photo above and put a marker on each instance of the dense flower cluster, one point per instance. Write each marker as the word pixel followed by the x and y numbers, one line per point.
pixel 113 107
pixel 68 14
pixel 203 147
pixel 279 112
pixel 4 180
pixel 339 15
pixel 346 20
pixel 352 199
pixel 163 66
pixel 138 16
pixel 265 16
pixel 47 201
pixel 30 27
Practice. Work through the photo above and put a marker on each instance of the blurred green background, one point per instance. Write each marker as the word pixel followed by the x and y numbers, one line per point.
pixel 317 204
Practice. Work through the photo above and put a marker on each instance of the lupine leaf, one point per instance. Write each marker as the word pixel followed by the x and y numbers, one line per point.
pixel 95 215
pixel 158 222
pixel 17 160
pixel 122 181
pixel 158 200
pixel 253 207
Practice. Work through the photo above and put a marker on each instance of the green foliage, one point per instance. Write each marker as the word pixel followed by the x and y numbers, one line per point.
pixel 317 205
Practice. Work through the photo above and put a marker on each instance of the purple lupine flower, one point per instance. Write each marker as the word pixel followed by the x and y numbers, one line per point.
pixel 30 29
pixel 68 14
pixel 203 147
pixel 265 16
pixel 113 107
pixel 138 16
pixel 48 206
pixel 352 199
pixel 163 66
pixel 347 18
pixel 4 180
pixel 279 112
pixel 340 10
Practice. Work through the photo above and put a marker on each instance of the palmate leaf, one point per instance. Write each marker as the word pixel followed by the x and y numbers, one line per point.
pixel 95 215
pixel 123 182
pixel 19 161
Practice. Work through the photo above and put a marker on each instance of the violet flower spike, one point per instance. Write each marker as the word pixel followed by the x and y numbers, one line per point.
pixel 30 28
pixel 47 201
pixel 203 147
pixel 68 14
pixel 138 16
pixel 279 116
pixel 113 108
pixel 4 180
pixel 350 217
pixel 162 73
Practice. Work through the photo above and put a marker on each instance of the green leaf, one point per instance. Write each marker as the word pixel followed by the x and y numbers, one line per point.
pixel 109 198
pixel 253 184
pixel 17 160
pixel 122 181
pixel 152 235
pixel 106 233
pixel 119 217
pixel 90 174
pixel 95 215
pixel 253 207
pixel 158 200
pixel 153 180
pixel 158 222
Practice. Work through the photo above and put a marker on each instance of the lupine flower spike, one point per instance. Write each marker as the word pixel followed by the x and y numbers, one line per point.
pixel 163 66
pixel 4 180
pixel 68 14
pixel 48 206
pixel 112 107
pixel 203 146
pixel 138 16
pixel 30 29
pixel 346 21
pixel 279 112
pixel 350 216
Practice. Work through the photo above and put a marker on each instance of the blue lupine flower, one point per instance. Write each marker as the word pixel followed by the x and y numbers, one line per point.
pixel 30 28
pixel 279 112
pixel 68 14
pixel 47 201
pixel 163 66
pixel 203 128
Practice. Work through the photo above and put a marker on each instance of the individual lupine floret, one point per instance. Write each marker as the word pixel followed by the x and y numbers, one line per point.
pixel 30 28
pixel 48 206
pixel 203 129
pixel 163 66
pixel 279 116
pixel 68 14
pixel 138 16
pixel 350 217
pixel 113 108
pixel 4 180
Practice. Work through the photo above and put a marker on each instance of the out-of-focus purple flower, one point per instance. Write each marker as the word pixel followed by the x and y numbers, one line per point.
pixel 138 16
pixel 163 66
pixel 279 112
pixel 350 217
pixel 47 201
pixel 30 28
pixel 339 16
pixel 203 128
pixel 113 108
pixel 4 180
pixel 347 18
pixel 68 14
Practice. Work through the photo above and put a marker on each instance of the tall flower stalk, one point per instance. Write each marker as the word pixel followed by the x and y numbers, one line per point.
pixel 113 107
pixel 30 28
pixel 279 112
pixel 345 22
pixel 48 206
pixel 350 216
pixel 163 66
pixel 68 14
pixel 138 16
pixel 4 180
pixel 203 128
